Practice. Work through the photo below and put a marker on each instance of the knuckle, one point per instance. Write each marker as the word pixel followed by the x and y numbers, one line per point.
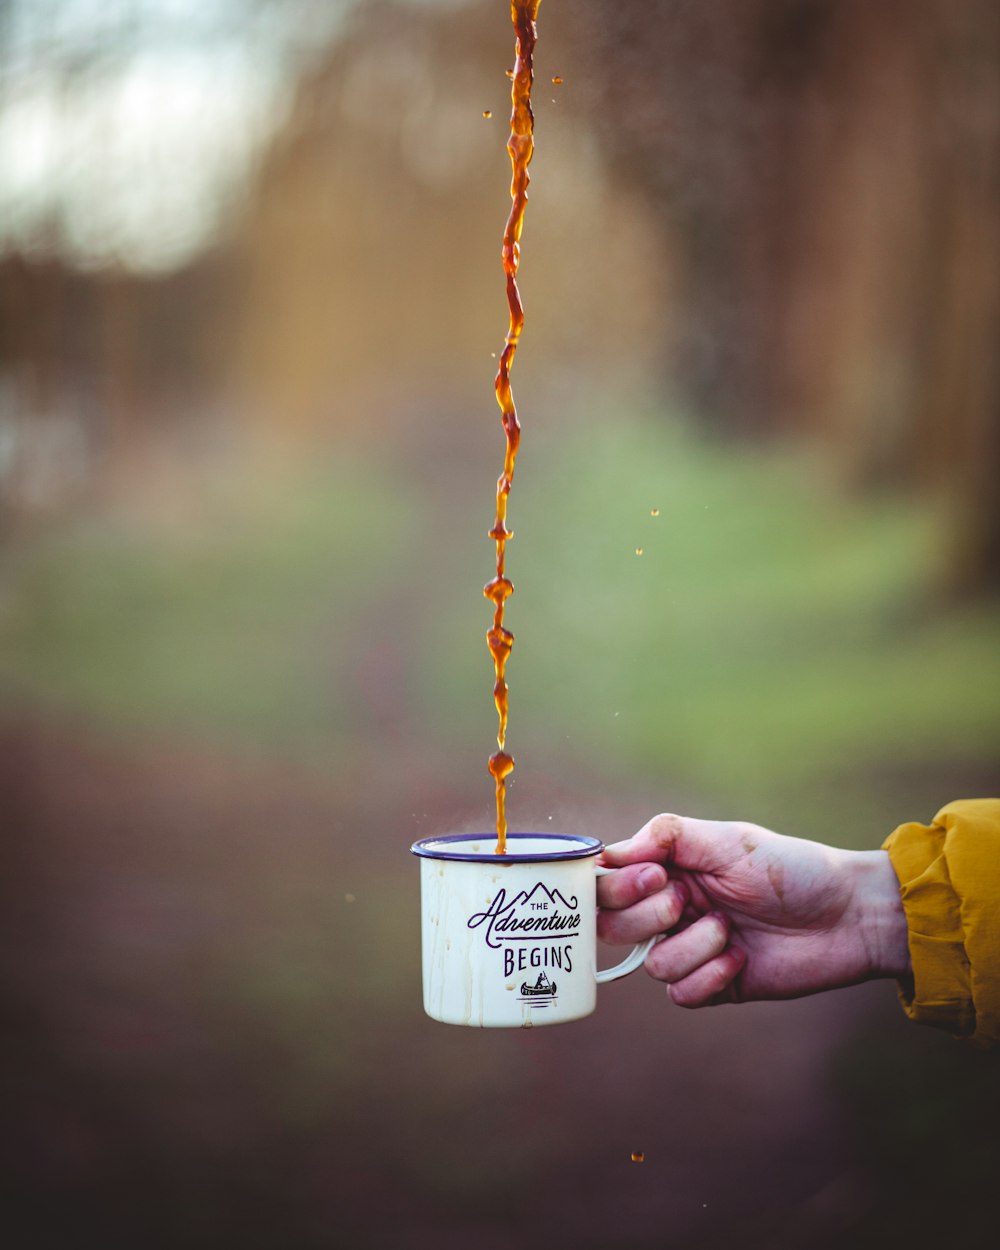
pixel 743 828
pixel 716 979
pixel 665 829
pixel 650 878
pixel 721 926
pixel 750 835
pixel 668 907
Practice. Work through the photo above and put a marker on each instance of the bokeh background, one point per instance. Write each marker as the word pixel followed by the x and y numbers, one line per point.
pixel 250 306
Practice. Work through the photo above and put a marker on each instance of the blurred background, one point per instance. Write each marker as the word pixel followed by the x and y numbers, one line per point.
pixel 250 308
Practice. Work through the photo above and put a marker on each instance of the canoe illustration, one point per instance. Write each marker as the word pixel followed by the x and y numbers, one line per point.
pixel 543 987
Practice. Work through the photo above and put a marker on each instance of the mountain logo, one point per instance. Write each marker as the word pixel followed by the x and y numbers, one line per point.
pixel 535 913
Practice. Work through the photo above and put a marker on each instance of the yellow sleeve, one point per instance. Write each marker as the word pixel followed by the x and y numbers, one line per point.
pixel 949 876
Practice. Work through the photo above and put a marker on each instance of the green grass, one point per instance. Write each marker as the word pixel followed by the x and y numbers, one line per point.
pixel 239 624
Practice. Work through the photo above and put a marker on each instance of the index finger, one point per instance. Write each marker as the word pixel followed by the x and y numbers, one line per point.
pixel 622 889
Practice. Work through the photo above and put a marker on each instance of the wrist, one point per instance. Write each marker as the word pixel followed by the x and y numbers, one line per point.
pixel 877 912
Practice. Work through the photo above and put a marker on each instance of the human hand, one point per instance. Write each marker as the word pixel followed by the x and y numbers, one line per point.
pixel 750 914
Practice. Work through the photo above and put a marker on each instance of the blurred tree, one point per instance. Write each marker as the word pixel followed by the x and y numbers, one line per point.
pixel 375 229
pixel 827 178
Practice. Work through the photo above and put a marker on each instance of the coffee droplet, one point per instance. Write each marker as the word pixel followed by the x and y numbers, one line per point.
pixel 556 81
pixel 487 112
pixel 654 512
pixel 638 1156
pixel 501 765
pixel 499 589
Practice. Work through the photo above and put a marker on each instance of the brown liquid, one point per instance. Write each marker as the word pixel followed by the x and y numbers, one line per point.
pixel 520 146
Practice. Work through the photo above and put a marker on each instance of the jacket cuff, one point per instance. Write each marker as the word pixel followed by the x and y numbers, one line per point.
pixel 939 990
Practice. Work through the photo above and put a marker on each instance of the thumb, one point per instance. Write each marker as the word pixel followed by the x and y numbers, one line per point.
pixel 697 845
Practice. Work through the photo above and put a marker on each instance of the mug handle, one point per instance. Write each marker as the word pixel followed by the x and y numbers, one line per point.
pixel 635 956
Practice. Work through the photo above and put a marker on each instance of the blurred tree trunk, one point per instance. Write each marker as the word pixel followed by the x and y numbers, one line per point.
pixel 121 336
pixel 827 174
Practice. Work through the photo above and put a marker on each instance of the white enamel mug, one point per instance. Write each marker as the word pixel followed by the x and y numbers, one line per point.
pixel 510 941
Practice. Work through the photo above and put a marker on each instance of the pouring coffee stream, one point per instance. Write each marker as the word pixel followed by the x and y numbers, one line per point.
pixel 520 145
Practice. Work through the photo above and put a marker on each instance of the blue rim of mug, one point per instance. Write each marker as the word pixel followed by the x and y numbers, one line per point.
pixel 437 848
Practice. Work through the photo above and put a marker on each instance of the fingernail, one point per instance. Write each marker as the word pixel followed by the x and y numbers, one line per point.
pixel 651 877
